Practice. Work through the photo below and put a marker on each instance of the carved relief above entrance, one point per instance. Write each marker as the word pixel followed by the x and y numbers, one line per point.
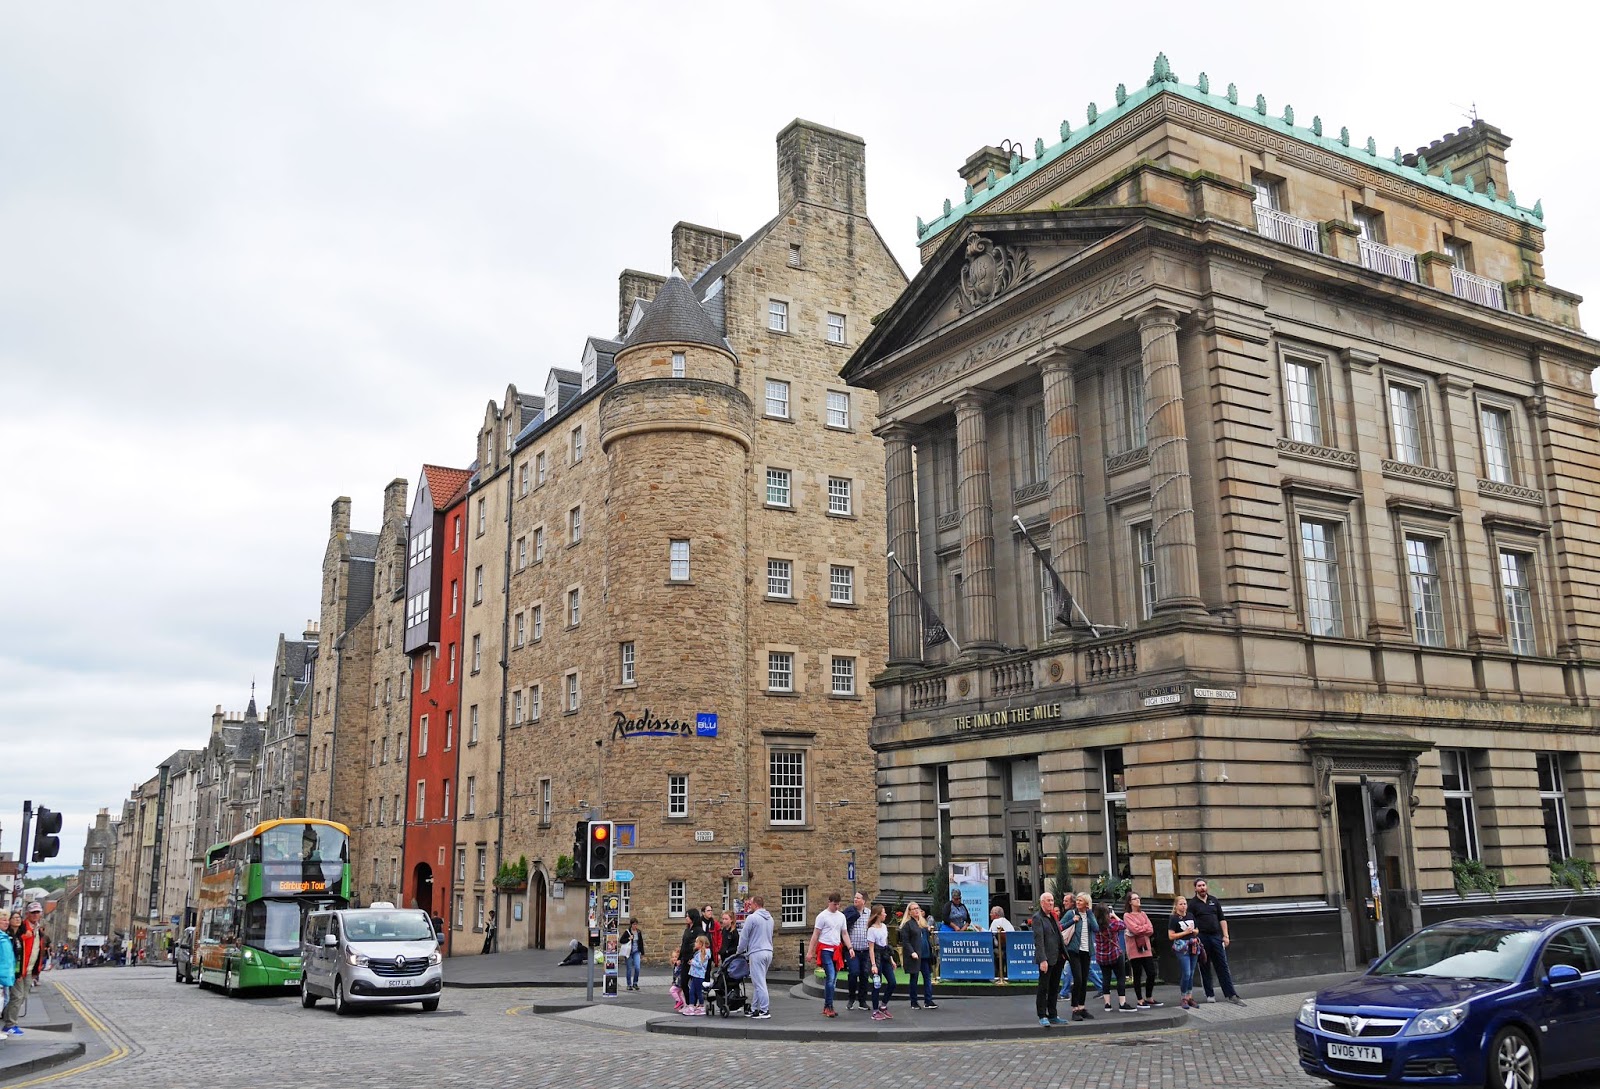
pixel 989 272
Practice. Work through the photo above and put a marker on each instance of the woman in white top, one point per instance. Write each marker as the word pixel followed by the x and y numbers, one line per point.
pixel 883 965
pixel 999 926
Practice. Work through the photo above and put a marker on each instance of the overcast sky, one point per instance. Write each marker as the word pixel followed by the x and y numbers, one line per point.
pixel 256 256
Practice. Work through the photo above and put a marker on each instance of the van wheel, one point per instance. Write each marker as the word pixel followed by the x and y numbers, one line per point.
pixel 177 975
pixel 341 1005
pixel 307 999
pixel 429 1005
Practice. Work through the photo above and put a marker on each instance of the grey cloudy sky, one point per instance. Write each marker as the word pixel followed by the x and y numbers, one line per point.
pixel 255 256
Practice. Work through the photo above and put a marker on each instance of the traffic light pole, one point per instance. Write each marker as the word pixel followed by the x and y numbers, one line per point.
pixel 24 851
pixel 1372 865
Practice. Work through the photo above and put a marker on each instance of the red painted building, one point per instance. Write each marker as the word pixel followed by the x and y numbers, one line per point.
pixel 435 566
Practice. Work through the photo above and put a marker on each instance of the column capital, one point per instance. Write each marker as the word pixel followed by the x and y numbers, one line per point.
pixel 1155 314
pixel 1056 357
pixel 973 400
pixel 895 431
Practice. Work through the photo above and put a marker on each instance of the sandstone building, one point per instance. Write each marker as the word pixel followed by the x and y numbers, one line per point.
pixel 1307 435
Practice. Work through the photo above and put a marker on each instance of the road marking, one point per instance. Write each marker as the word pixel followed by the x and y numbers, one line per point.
pixel 118 1051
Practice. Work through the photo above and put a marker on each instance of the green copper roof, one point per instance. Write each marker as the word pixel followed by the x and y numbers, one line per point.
pixel 1163 80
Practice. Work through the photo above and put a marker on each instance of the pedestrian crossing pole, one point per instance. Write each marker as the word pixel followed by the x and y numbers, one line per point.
pixel 1372 864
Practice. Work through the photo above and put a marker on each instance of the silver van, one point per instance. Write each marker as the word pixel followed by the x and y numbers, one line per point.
pixel 378 955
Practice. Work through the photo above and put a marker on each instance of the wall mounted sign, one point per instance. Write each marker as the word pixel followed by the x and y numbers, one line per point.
pixel 649 725
pixel 1216 693
pixel 705 724
pixel 1011 716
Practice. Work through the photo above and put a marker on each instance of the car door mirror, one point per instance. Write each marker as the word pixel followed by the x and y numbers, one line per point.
pixel 1561 973
pixel 331 941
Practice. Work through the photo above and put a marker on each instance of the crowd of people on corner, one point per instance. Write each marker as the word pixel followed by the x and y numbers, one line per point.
pixel 1077 944
pixel 23 955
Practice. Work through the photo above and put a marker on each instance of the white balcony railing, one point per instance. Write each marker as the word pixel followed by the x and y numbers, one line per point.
pixel 1477 289
pixel 1283 227
pixel 1388 260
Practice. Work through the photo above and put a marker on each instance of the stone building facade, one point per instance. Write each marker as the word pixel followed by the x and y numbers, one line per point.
pixel 1308 437
pixel 98 882
pixel 693 567
pixel 286 744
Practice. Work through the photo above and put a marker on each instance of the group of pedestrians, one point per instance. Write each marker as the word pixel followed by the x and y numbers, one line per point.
pixel 705 944
pixel 22 957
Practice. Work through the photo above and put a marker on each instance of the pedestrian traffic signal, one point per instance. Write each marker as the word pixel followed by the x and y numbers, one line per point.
pixel 45 843
pixel 1385 801
pixel 597 860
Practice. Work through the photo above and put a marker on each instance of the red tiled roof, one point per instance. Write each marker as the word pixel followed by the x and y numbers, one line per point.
pixel 443 483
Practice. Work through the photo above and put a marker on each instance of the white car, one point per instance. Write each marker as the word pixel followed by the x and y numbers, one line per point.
pixel 379 955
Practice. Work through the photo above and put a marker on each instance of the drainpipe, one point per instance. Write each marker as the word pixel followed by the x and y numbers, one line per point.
pixel 505 688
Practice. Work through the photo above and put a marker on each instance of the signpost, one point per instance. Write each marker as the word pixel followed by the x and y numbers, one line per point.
pixel 967 954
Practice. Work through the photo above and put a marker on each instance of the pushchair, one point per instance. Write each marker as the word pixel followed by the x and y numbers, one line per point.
pixel 725 990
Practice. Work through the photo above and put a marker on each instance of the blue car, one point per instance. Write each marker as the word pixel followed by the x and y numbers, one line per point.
pixel 1498 1001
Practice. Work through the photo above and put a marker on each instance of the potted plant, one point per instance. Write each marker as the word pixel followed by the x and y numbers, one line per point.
pixel 1576 874
pixel 1472 875
pixel 512 876
pixel 566 868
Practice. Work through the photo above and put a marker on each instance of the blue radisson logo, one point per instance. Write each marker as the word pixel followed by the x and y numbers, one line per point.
pixel 649 725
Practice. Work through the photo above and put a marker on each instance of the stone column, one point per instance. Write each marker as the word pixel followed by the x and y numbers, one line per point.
pixel 1167 436
pixel 905 626
pixel 977 523
pixel 1069 544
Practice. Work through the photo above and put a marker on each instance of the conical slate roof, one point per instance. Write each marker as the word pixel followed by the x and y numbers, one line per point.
pixel 675 316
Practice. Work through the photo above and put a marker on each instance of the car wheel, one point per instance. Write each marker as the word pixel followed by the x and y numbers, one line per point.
pixel 429 1005
pixel 307 999
pixel 1513 1063
pixel 341 1005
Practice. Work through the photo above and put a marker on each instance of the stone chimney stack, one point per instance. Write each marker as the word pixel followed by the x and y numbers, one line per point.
pixel 216 716
pixel 394 501
pixel 310 635
pixel 975 171
pixel 632 286
pixel 1478 149
pixel 696 248
pixel 341 517
pixel 824 166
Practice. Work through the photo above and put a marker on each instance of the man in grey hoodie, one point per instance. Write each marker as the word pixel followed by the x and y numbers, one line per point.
pixel 755 940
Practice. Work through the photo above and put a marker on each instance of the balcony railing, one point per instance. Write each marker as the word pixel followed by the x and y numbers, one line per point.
pixel 1012 678
pixel 1283 227
pixel 927 693
pixel 1477 289
pixel 1388 260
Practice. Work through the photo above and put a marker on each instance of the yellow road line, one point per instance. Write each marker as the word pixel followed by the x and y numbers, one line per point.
pixel 118 1051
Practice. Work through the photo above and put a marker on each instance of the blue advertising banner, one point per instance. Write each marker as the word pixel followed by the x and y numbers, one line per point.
pixel 966 954
pixel 1021 961
pixel 971 879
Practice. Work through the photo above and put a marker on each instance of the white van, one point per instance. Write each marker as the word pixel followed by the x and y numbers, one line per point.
pixel 378 955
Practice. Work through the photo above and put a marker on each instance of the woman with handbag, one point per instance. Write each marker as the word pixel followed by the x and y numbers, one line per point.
pixel 1186 947
pixel 1141 952
pixel 1078 932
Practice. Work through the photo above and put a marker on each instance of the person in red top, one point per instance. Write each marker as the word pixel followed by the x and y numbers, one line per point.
pixel 1141 953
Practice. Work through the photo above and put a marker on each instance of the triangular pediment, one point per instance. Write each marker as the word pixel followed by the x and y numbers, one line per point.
pixel 987 268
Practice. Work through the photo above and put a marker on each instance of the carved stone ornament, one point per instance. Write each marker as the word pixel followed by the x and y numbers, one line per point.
pixel 990 271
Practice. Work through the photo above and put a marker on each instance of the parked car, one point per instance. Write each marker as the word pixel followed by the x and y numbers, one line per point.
pixel 1499 1001
pixel 183 957
pixel 378 955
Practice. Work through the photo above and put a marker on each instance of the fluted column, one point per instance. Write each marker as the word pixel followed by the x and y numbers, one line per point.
pixel 977 523
pixel 1171 496
pixel 1069 545
pixel 905 626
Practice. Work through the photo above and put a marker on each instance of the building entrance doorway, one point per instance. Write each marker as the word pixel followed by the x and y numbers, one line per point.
pixel 536 923
pixel 1355 879
pixel 422 886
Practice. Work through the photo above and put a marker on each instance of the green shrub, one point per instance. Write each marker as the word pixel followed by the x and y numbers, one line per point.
pixel 1473 876
pixel 1576 874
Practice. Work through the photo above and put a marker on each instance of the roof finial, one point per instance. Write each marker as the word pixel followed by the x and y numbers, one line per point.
pixel 1094 113
pixel 1204 84
pixel 1122 93
pixel 947 206
pixel 1399 156
pixel 1511 197
pixel 1316 124
pixel 969 193
pixel 921 227
pixel 1422 162
pixel 1470 183
pixel 1449 175
pixel 1344 135
pixel 1233 94
pixel 1261 105
pixel 1288 114
pixel 1490 191
pixel 1038 147
pixel 1066 131
pixel 1538 209
pixel 1372 146
pixel 994 179
pixel 1162 73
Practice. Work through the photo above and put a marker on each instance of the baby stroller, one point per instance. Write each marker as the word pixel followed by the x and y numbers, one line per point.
pixel 725 989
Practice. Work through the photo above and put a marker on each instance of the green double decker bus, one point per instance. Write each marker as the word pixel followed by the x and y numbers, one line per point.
pixel 254 893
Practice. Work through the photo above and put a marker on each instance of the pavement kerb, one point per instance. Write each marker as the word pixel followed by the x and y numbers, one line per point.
pixel 54 1055
pixel 739 1028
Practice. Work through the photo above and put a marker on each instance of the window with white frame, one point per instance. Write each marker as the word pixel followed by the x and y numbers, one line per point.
pixel 1460 815
pixel 777 315
pixel 422 801
pixel 780 671
pixel 780 578
pixel 483 516
pixel 541 468
pixel 1144 564
pixel 572 692
pixel 1427 590
pixel 1553 801
pixel 793 906
pixel 677 795
pixel 422 736
pixel 1049 601
pixel 625 663
pixel 533 703
pixel 477 585
pixel 777 399
pixel 544 801
pixel 574 607
pixel 843 676
pixel 1516 596
pixel 461 911
pixel 1319 560
pixel 1129 403
pixel 575 524
pixel 1495 423
pixel 444 798
pixel 778 489
pixel 538 623
pixel 522 553
pixel 477 913
pixel 461 865
pixel 678 560
pixel 421 549
pixel 1119 852
pixel 840 500
pixel 477 653
pixel 520 625
pixel 538 545
pixel 525 480
pixel 678 364
pixel 1303 400
pixel 449 730
pixel 577 444
pixel 1036 452
pixel 677 899
pixel 1267 192
pixel 516 708
pixel 835 328
pixel 841 584
pixel 838 409
pixel 786 783
pixel 472 725
pixel 472 804
pixel 1405 423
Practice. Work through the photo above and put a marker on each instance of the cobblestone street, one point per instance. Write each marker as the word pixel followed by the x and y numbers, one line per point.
pixel 182 1037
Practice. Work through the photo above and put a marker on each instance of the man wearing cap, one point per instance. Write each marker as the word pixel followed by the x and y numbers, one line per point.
pixel 27 969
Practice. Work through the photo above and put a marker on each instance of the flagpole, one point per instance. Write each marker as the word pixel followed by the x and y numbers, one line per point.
pixel 924 610
pixel 1072 599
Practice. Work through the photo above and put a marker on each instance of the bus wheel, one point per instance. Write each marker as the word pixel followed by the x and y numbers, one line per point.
pixel 307 999
pixel 227 981
pixel 341 1005
pixel 429 1005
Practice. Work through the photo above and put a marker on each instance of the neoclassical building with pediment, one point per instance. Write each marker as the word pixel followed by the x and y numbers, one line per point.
pixel 1311 444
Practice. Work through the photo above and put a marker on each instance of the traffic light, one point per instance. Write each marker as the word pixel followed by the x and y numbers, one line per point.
pixel 580 849
pixel 1385 800
pixel 45 843
pixel 597 860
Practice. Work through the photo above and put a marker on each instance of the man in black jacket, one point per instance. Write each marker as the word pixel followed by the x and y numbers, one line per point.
pixel 1051 953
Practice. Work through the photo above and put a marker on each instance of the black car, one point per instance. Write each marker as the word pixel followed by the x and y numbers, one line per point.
pixel 183 957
